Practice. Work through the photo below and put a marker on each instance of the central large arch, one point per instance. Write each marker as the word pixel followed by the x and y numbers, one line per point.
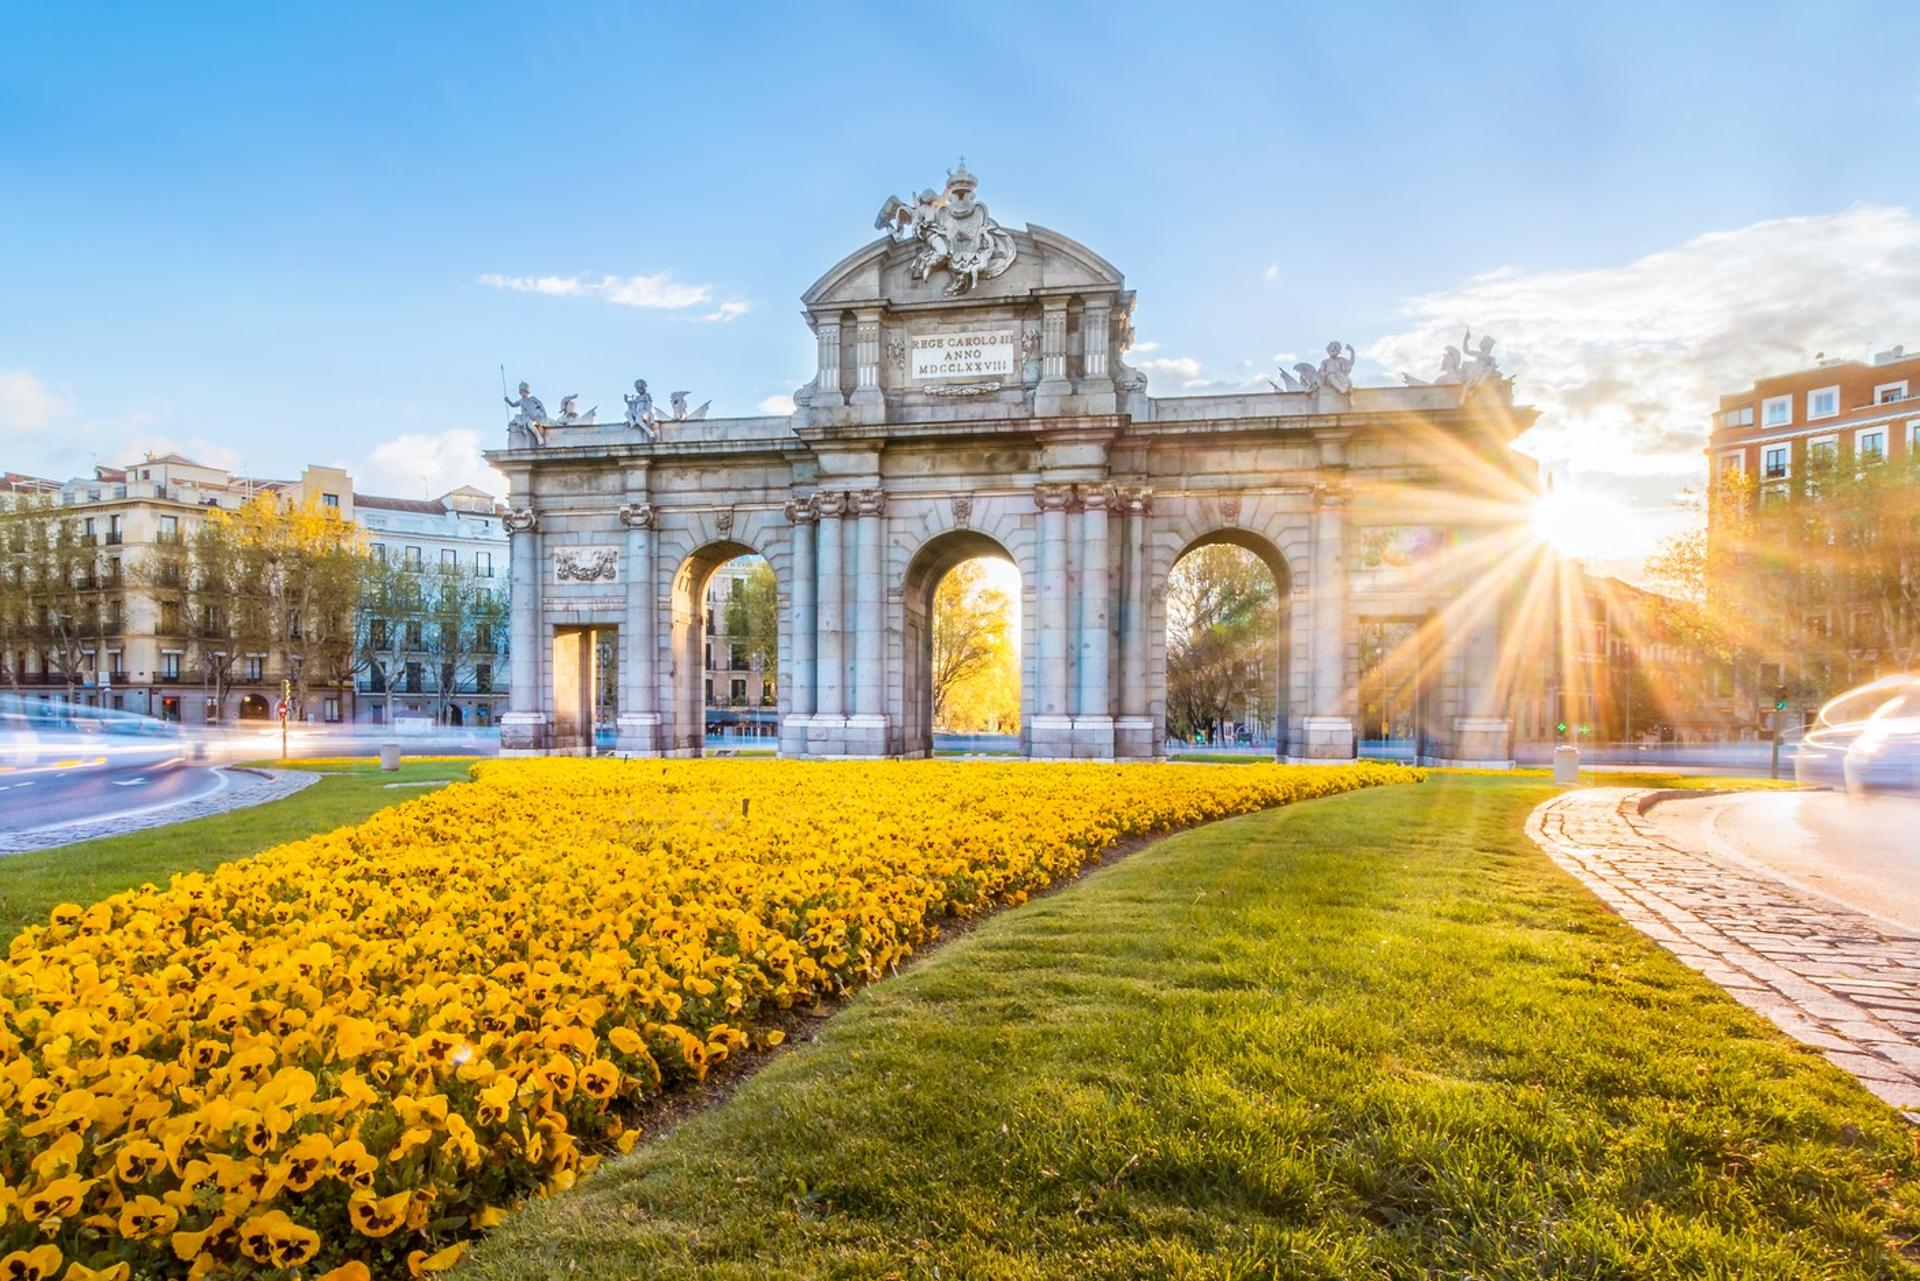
pixel 935 559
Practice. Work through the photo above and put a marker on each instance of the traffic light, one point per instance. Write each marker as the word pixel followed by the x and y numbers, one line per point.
pixel 1780 698
pixel 1561 727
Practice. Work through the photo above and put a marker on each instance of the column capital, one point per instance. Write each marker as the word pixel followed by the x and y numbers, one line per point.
pixel 830 504
pixel 1094 498
pixel 1135 500
pixel 1332 494
pixel 520 520
pixel 638 515
pixel 870 502
pixel 800 511
pixel 1052 498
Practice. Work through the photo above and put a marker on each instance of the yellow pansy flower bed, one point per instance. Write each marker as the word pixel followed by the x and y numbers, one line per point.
pixel 344 1056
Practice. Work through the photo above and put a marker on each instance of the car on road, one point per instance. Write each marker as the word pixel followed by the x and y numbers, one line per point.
pixel 1866 740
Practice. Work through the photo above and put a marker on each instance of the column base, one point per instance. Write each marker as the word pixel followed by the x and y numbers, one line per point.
pixel 793 735
pixel 525 734
pixel 864 735
pixel 825 735
pixel 1134 739
pixel 637 734
pixel 1483 739
pixel 1093 738
pixel 1050 738
pixel 1325 738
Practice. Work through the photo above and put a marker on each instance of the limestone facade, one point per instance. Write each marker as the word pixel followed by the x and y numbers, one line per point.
pixel 1004 421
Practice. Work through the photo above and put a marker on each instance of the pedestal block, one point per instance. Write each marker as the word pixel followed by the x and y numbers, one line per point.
pixel 1326 738
pixel 525 734
pixel 826 735
pixel 1134 739
pixel 864 736
pixel 1050 737
pixel 1093 738
pixel 1482 742
pixel 637 734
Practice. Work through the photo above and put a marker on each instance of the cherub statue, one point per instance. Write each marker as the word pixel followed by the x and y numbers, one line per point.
pixel 1481 369
pixel 570 415
pixel 640 407
pixel 1336 371
pixel 531 417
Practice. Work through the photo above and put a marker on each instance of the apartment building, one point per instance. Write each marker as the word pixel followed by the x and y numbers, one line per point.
pixel 462 530
pixel 138 647
pixel 740 695
pixel 1840 408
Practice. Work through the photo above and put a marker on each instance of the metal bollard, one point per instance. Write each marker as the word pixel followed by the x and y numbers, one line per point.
pixel 1566 766
pixel 389 757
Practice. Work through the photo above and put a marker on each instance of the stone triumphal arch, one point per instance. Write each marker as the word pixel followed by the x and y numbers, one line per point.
pixel 972 398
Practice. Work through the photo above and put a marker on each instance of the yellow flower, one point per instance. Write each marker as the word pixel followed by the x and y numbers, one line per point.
pixel 146 1216
pixel 112 1272
pixel 420 1263
pixel 137 1161
pixel 377 1216
pixel 37 1264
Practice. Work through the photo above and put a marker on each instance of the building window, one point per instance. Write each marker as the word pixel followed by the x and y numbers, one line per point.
pixel 483 678
pixel 483 564
pixel 333 501
pixel 415 634
pixel 1870 446
pixel 483 636
pixel 1774 465
pixel 1822 451
pixel 412 685
pixel 169 528
pixel 411 558
pixel 1913 435
pixel 739 692
pixel 1823 402
pixel 1776 411
pixel 114 536
pixel 170 665
pixel 87 528
pixel 1741 417
pixel 116 663
pixel 330 706
pixel 1887 393
pixel 449 558
pixel 256 667
pixel 379 553
pixel 1732 465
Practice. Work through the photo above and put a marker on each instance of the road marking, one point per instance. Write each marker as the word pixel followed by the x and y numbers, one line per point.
pixel 129 782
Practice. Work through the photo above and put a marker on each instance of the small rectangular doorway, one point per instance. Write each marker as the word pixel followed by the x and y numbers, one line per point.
pixel 585 681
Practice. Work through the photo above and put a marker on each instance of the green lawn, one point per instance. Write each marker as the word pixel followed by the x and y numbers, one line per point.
pixel 1378 1035
pixel 32 884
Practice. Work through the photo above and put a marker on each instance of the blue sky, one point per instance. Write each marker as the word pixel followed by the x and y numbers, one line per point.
pixel 260 232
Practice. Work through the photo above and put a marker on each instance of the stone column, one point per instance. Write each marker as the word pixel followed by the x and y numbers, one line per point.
pixel 830 672
pixel 866 354
pixel 1053 388
pixel 1329 726
pixel 638 724
pixel 800 632
pixel 1133 732
pixel 1093 708
pixel 867 727
pixel 826 386
pixel 1483 732
pixel 1052 723
pixel 524 728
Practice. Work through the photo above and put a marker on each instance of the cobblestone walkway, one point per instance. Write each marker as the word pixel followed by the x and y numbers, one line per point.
pixel 246 788
pixel 1825 974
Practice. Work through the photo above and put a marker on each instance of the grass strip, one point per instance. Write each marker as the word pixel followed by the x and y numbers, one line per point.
pixel 1375 1035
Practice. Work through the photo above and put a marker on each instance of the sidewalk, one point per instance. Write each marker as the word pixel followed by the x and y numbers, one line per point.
pixel 1823 973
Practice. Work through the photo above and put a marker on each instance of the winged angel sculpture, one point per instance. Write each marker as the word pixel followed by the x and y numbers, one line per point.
pixel 953 230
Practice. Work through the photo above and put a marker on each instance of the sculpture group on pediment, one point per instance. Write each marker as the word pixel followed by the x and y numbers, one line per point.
pixel 1471 372
pixel 570 414
pixel 953 230
pixel 528 426
pixel 1335 373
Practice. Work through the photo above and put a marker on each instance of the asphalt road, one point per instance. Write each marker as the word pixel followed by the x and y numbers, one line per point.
pixel 1862 851
pixel 86 790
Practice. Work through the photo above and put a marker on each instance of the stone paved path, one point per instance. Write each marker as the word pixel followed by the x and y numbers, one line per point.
pixel 250 787
pixel 1844 983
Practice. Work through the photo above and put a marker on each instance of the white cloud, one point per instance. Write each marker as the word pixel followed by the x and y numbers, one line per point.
pixel 659 292
pixel 427 464
pixel 1142 348
pixel 26 404
pixel 1626 363
pixel 776 405
pixel 1185 368
pixel 727 311
pixel 1272 272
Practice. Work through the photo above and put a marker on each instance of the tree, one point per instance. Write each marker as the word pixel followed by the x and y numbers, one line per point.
pixel 1222 639
pixel 50 590
pixel 753 620
pixel 976 676
pixel 464 625
pixel 390 599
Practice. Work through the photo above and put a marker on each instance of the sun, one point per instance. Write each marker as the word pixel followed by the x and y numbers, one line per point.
pixel 1580 523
